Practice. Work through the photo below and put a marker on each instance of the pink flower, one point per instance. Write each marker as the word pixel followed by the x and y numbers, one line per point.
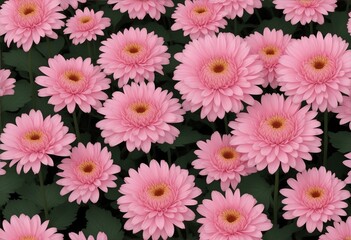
pixel 73 81
pixel 80 236
pixel 140 116
pixel 85 25
pixel 139 9
pixel 269 47
pixel 74 3
pixel 219 160
pixel 133 54
pixel 305 11
pixel 340 231
pixel 26 228
pixel 347 163
pixel 218 79
pixel 26 21
pixel 317 70
pixel 156 198
pixel 198 18
pixel 236 8
pixel 232 217
pixel 315 198
pixel 344 111
pixel 6 83
pixel 32 139
pixel 276 132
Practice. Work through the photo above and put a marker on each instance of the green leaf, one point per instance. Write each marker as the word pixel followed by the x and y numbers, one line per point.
pixel 341 141
pixel 19 99
pixel 115 16
pixel 11 181
pixel 277 23
pixel 64 215
pixel 16 207
pixel 284 233
pixel 337 26
pixel 51 48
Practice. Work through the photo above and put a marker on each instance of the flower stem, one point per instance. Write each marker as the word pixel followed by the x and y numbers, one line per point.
pixel 325 138
pixel 169 157
pixel 311 28
pixel 148 157
pixel 76 126
pixel 90 52
pixel 276 203
pixel 41 182
pixel 226 124
pixel 31 77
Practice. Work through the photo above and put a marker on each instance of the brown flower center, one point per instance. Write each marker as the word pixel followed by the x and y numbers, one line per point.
pixel 158 190
pixel 28 238
pixel 228 154
pixel 87 167
pixel 133 48
pixel 85 19
pixel 140 108
pixel 73 76
pixel 34 136
pixel 315 192
pixel 276 122
pixel 319 62
pixel 27 9
pixel 231 216
pixel 200 9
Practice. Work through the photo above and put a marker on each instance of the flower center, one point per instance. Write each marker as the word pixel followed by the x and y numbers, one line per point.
pixel 27 9
pixel 85 19
pixel 219 66
pixel 231 216
pixel 200 9
pixel 140 108
pixel 133 48
pixel 218 73
pixel 276 122
pixel 347 238
pixel 270 51
pixel 319 62
pixel 87 167
pixel 306 3
pixel 315 193
pixel 319 69
pixel 28 238
pixel 158 191
pixel 73 76
pixel 34 136
pixel 228 154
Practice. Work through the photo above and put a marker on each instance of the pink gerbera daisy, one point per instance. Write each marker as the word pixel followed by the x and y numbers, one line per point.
pixel 236 8
pixel 317 70
pixel 218 160
pixel 344 111
pixel 315 198
pixel 26 228
pixel 6 83
pixel 232 217
pixel 26 21
pixel 220 78
pixel 73 81
pixel 156 197
pixel 276 132
pixel 32 139
pixel 139 9
pixel 340 231
pixel 74 3
pixel 133 54
pixel 80 236
pixel 269 47
pixel 305 11
pixel 348 164
pixel 140 116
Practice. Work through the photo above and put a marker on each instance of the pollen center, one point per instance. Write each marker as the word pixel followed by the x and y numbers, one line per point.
pixel 200 9
pixel 87 167
pixel 73 76
pixel 219 66
pixel 34 136
pixel 27 10
pixel 140 108
pixel 228 154
pixel 319 63
pixel 158 190
pixel 133 48
pixel 270 51
pixel 231 216
pixel 315 192
pixel 347 238
pixel 306 3
pixel 85 19
pixel 276 122
pixel 28 238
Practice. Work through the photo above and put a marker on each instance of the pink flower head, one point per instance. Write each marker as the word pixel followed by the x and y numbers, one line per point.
pixel 80 236
pixel 85 25
pixel 74 3
pixel 156 197
pixel 139 9
pixel 6 83
pixel 218 160
pixel 232 217
pixel 276 132
pixel 87 170
pixel 26 21
pixel 305 11
pixel 236 8
pixel 340 231
pixel 198 18
pixel 32 139
pixel 344 111
pixel 220 78
pixel 140 115
pixel 26 228
pixel 317 70
pixel 133 54
pixel 347 163
pixel 73 81
pixel 315 197
pixel 269 47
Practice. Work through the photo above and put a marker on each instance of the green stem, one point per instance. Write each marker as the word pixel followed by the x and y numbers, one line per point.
pixel 31 77
pixel 325 138
pixel 311 28
pixel 76 126
pixel 258 16
pixel 148 157
pixel 276 203
pixel 0 115
pixel 169 157
pixel 90 52
pixel 226 124
pixel 235 26
pixel 41 181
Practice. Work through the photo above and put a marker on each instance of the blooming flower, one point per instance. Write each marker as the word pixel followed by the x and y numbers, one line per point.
pixel 340 231
pixel 140 115
pixel 32 139
pixel 218 79
pixel 236 8
pixel 344 111
pixel 74 3
pixel 315 197
pixel 26 21
pixel 133 54
pixel 80 236
pixel 73 81
pixel 156 197
pixel 348 164
pixel 6 83
pixel 232 217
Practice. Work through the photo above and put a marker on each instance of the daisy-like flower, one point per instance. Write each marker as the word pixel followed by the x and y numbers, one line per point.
pixel 139 9
pixel 220 78
pixel 276 132
pixel 269 47
pixel 344 111
pixel 236 8
pixel 340 231
pixel 315 197
pixel 26 228
pixel 218 160
pixel 80 236
pixel 348 164
pixel 156 198
pixel 133 54
pixel 73 81
pixel 198 18
pixel 317 70
pixel 6 83
pixel 32 139
pixel 74 3
pixel 232 217
pixel 305 11
pixel 26 21
pixel 87 170
pixel 140 115
pixel 86 25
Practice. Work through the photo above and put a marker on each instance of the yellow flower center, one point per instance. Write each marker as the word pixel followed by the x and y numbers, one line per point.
pixel 140 108
pixel 228 154
pixel 199 9
pixel 219 66
pixel 270 51
pixel 306 3
pixel 319 62
pixel 27 9
pixel 315 192
pixel 231 216
pixel 34 136
pixel 87 167
pixel 85 19
pixel 347 238
pixel 276 122
pixel 28 238
pixel 73 76
pixel 133 48
pixel 158 191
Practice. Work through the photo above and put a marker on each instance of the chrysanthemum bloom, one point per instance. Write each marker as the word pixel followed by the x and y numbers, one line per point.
pixel 156 197
pixel 348 164
pixel 86 25
pixel 139 9
pixel 218 160
pixel 315 197
pixel 232 217
pixel 26 21
pixel 140 115
pixel 276 132
pixel 199 18
pixel 220 78
pixel 344 111
pixel 87 170
pixel 340 231
pixel 133 54
pixel 317 70
pixel 305 11
pixel 74 3
pixel 32 139
pixel 236 8
pixel 26 228
pixel 80 236
pixel 269 46
pixel 6 83
pixel 73 81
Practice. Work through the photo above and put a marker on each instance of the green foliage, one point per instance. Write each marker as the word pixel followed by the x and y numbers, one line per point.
pixel 19 99
pixel 17 207
pixel 63 215
pixel 341 141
